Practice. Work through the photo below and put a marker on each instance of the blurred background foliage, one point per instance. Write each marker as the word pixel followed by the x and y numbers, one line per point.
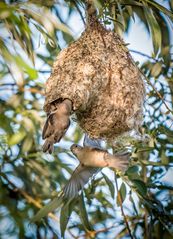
pixel 31 35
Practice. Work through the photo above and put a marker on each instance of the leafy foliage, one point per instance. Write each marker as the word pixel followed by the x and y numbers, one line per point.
pixel 30 38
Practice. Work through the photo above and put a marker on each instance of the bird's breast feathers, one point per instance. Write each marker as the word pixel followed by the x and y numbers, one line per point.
pixel 93 157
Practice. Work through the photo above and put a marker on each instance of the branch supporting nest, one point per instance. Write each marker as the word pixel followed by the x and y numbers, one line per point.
pixel 91 12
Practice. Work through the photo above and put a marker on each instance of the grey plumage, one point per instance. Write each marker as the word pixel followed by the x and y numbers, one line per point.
pixel 92 158
pixel 79 178
pixel 82 173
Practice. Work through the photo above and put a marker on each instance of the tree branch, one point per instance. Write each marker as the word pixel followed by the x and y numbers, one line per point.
pixel 79 11
pixel 143 54
pixel 29 199
pixel 158 94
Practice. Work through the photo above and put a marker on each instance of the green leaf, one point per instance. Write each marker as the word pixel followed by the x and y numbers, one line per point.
pixel 133 203
pixel 132 170
pixel 131 2
pixel 130 12
pixel 120 22
pixel 51 206
pixel 156 69
pixel 171 4
pixel 66 211
pixel 16 138
pixel 27 144
pixel 5 124
pixel 110 185
pixel 160 8
pixel 164 158
pixel 30 71
pixel 152 3
pixel 154 29
pixel 162 186
pixel 141 187
pixel 123 191
pixel 84 214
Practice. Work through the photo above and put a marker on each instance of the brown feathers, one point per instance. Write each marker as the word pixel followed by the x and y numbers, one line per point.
pixel 56 125
pixel 94 157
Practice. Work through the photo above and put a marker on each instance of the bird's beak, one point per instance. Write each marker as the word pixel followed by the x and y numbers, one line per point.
pixel 73 147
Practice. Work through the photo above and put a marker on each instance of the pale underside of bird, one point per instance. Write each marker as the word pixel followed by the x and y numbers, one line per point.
pixel 92 158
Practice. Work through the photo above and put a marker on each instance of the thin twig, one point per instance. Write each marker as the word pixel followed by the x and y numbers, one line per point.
pixel 143 54
pixel 44 71
pixel 159 95
pixel 27 196
pixel 144 172
pixel 121 206
pixel 80 13
pixel 7 84
pixel 32 90
pixel 92 234
pixel 22 89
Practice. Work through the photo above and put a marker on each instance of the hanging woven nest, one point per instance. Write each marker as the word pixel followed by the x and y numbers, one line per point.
pixel 99 76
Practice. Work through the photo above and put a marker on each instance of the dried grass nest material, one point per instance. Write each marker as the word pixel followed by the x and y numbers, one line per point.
pixel 99 76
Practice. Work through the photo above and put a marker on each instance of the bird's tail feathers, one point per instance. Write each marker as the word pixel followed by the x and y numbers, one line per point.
pixel 119 162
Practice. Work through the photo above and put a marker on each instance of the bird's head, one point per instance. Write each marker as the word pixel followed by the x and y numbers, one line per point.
pixel 75 148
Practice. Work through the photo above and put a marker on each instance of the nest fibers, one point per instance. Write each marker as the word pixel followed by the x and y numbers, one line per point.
pixel 98 75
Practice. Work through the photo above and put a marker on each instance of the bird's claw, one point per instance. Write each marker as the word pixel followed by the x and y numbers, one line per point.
pixel 48 146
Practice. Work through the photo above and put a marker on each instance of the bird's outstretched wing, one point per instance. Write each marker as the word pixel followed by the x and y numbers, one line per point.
pixel 79 178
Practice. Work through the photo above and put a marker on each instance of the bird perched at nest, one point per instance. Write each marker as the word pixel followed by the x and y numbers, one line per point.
pixel 56 125
pixel 92 159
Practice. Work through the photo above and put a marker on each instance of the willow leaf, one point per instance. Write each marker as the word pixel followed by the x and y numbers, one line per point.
pixel 154 29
